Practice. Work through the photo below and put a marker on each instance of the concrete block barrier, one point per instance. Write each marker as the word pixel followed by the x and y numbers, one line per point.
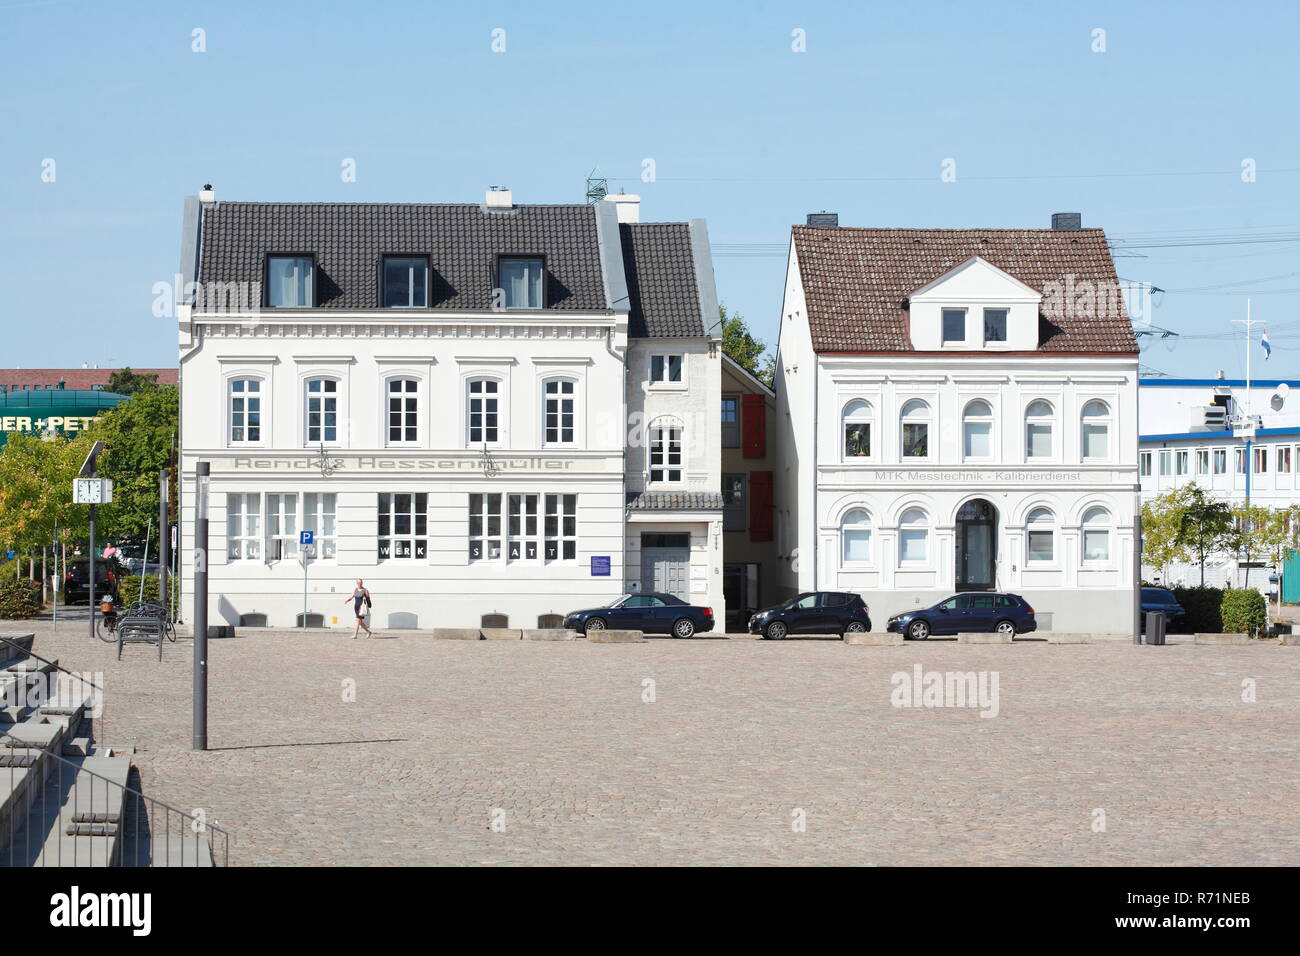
pixel 616 637
pixel 502 634
pixel 1223 639
pixel 982 637
pixel 550 634
pixel 456 634
pixel 1054 638
pixel 873 639
pixel 1289 640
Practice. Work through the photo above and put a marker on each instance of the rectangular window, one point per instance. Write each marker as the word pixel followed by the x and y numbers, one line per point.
pixel 1096 546
pixel 1202 461
pixel 977 439
pixel 245 410
pixel 281 526
pixel 403 526
pixel 995 325
pixel 522 529
pixel 318 517
pixel 483 426
pixel 1220 461
pixel 916 440
pixel 290 283
pixel 733 502
pixel 1039 439
pixel 1284 459
pixel 912 544
pixel 403 410
pixel 1239 460
pixel 322 410
pixel 1040 546
pixel 954 325
pixel 1182 461
pixel 1261 460
pixel 1166 462
pixel 521 281
pixel 730 421
pixel 561 527
pixel 857 439
pixel 559 411
pixel 485 527
pixel 665 454
pixel 665 369
pixel 1144 464
pixel 406 282
pixel 243 527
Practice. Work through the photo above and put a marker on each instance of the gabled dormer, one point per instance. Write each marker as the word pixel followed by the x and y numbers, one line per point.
pixel 974 307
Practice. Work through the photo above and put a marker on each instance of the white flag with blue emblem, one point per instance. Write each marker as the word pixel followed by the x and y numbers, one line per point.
pixel 1268 349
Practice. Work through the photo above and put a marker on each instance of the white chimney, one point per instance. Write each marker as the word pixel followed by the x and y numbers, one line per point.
pixel 499 197
pixel 207 194
pixel 628 205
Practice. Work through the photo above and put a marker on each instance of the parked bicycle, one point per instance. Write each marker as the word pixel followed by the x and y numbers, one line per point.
pixel 106 621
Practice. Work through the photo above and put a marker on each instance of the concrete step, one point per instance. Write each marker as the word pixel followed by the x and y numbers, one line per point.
pixel 74 819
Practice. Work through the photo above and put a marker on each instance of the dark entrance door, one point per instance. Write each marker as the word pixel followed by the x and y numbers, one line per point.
pixel 977 546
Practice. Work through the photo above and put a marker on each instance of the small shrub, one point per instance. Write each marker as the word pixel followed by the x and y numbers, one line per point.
pixel 1244 611
pixel 129 589
pixel 20 599
pixel 1203 606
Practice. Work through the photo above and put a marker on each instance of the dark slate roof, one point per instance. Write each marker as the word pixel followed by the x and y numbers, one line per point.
pixel 857 282
pixel 674 501
pixel 661 280
pixel 462 241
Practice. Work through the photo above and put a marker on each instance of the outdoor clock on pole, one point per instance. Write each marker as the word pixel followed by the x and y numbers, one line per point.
pixel 92 491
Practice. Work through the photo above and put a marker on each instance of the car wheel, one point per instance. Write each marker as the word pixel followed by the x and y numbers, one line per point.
pixel 594 624
pixel 855 627
pixel 683 627
pixel 1007 628
pixel 776 631
pixel 918 630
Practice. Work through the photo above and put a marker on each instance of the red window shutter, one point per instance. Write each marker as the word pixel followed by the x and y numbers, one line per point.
pixel 760 506
pixel 754 437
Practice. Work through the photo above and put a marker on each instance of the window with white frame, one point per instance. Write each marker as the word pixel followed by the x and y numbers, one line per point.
pixel 245 410
pixel 522 281
pixel 319 512
pixel 281 526
pixel 484 410
pixel 403 423
pixel 290 282
pixel 1283 459
pixel 243 527
pixel 1144 464
pixel 1220 461
pixel 855 537
pixel 406 282
pixel 1096 429
pixel 485 527
pixel 954 326
pixel 1040 528
pixel 913 536
pixel 561 527
pixel 666 369
pixel 857 429
pixel 1182 461
pixel 915 430
pixel 403 526
pixel 665 454
pixel 560 398
pixel 1040 421
pixel 523 529
pixel 321 404
pixel 995 325
pixel 1096 535
pixel 1239 460
pixel 977 430
pixel 1166 462
pixel 1261 459
pixel 1202 461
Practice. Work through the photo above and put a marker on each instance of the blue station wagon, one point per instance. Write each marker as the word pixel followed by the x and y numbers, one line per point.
pixel 971 611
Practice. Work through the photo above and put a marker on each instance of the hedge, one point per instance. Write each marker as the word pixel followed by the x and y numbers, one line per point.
pixel 1244 611
pixel 129 589
pixel 20 599
pixel 1204 607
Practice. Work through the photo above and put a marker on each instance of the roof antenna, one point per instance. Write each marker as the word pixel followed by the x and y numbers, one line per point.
pixel 597 186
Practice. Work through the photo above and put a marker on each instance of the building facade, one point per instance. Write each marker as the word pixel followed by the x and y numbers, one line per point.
pixel 957 411
pixel 486 411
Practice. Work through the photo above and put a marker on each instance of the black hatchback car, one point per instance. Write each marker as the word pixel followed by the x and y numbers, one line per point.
pixel 650 611
pixel 1163 600
pixel 813 612
pixel 968 612
pixel 76 579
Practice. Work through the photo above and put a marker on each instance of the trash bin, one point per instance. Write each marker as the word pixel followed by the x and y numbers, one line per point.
pixel 1155 627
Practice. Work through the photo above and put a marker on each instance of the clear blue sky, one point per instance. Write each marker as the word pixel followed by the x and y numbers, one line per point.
pixel 1145 138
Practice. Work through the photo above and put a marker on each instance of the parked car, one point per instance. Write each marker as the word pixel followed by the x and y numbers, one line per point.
pixel 650 611
pixel 971 611
pixel 813 612
pixel 1161 599
pixel 76 580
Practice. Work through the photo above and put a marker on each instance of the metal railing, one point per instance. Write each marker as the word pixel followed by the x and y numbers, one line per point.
pixel 96 722
pixel 74 816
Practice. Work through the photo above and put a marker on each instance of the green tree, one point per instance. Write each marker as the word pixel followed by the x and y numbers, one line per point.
pixel 1267 532
pixel 1206 524
pixel 138 437
pixel 36 492
pixel 743 349
pixel 126 382
pixel 1161 523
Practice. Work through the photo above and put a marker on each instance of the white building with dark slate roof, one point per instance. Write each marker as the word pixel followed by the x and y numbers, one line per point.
pixel 957 412
pixel 492 413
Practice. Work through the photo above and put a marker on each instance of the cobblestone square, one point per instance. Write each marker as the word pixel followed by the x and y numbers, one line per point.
pixel 558 746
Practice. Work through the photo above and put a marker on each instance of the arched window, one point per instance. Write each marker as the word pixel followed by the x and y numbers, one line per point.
pixel 321 406
pixel 559 398
pixel 977 430
pixel 665 451
pixel 855 536
pixel 913 536
pixel 1096 429
pixel 483 408
pixel 1041 528
pixel 1038 429
pixel 915 421
pixel 245 410
pixel 403 410
pixel 857 429
pixel 1096 535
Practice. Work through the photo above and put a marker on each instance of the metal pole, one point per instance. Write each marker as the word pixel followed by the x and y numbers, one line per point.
pixel 1137 573
pixel 92 567
pixel 201 471
pixel 164 541
pixel 303 549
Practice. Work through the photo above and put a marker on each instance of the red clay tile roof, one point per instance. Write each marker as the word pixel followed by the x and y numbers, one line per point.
pixel 857 281
pixel 82 378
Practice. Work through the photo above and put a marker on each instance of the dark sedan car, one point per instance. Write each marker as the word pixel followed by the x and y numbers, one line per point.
pixel 969 612
pixel 814 612
pixel 650 611
pixel 1160 599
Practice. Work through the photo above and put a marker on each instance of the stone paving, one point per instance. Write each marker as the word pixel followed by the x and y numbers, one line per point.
pixel 554 743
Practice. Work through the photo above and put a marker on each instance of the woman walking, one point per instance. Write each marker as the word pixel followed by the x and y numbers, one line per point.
pixel 361 607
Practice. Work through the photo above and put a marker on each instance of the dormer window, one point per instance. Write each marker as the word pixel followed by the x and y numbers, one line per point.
pixel 995 325
pixel 954 326
pixel 520 279
pixel 290 282
pixel 406 282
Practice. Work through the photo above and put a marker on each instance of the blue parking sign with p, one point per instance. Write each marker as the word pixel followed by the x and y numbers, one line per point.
pixel 306 537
